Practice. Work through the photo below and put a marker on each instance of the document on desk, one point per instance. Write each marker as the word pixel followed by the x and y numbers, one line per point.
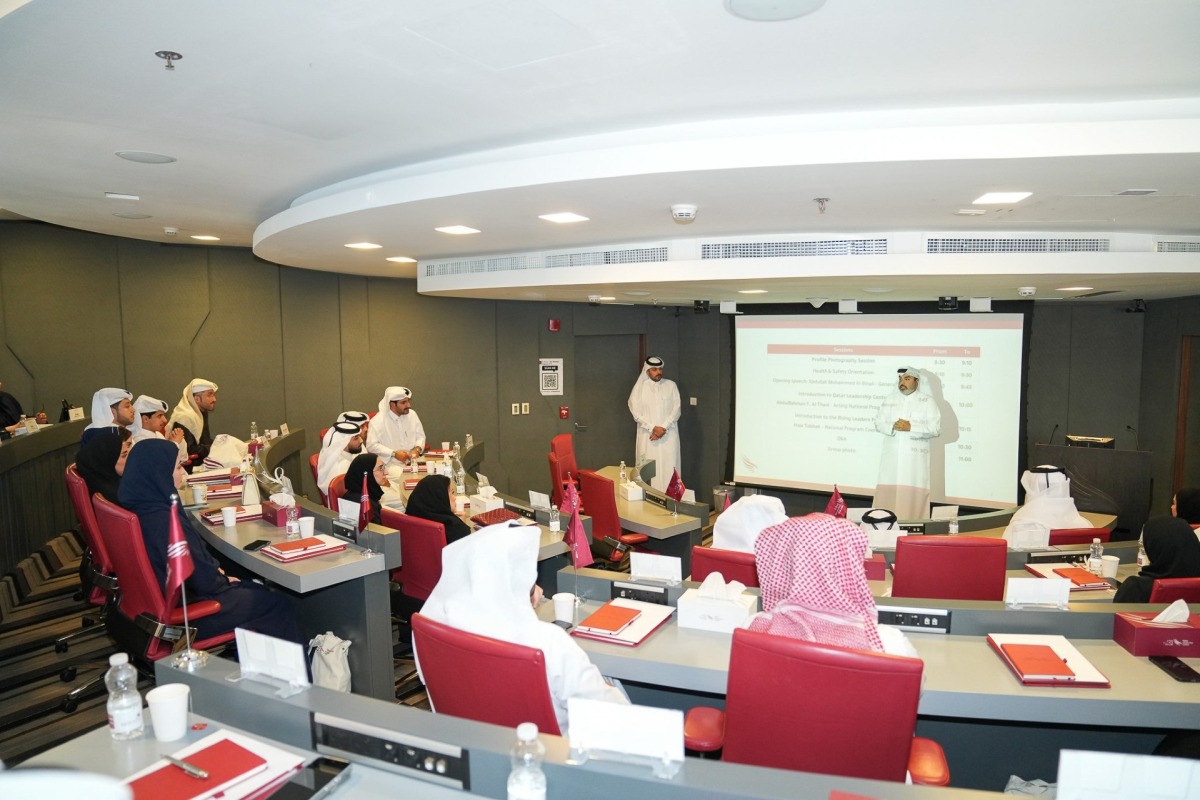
pixel 1081 580
pixel 238 766
pixel 650 618
pixel 1033 667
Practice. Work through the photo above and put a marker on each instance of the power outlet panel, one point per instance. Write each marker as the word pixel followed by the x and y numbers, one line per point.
pixel 912 527
pixel 413 756
pixel 635 591
pixel 918 620
pixel 1073 557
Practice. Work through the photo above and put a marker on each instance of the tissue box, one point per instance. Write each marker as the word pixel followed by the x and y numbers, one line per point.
pixel 480 504
pixel 707 614
pixel 876 567
pixel 1133 631
pixel 631 491
pixel 273 514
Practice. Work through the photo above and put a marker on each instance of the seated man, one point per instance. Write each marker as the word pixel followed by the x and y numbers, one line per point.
pixel 341 444
pixel 488 586
pixel 11 412
pixel 153 414
pixel 1048 506
pixel 191 416
pixel 112 409
pixel 396 434
pixel 738 526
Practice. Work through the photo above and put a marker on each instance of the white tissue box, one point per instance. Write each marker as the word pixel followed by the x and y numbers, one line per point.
pixel 480 504
pixel 631 491
pixel 707 614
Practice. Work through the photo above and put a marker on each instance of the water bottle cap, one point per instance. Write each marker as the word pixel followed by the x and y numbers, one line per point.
pixel 117 659
pixel 1096 540
pixel 527 731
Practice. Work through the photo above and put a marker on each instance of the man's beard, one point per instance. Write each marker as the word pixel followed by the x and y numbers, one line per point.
pixel 354 450
pixel 906 390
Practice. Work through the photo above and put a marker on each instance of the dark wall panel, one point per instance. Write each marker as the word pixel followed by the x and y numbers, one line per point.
pixel 360 389
pixel 1048 392
pixel 1106 368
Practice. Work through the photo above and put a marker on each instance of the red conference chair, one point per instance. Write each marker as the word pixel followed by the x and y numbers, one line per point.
pixel 421 544
pixel 483 679
pixel 96 574
pixel 337 489
pixel 733 565
pixel 599 501
pixel 312 463
pixel 812 707
pixel 1168 590
pixel 562 464
pixel 1078 535
pixel 949 568
pixel 146 623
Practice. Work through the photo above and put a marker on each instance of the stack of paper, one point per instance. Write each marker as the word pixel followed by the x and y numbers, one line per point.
pixel 224 475
pixel 223 491
pixel 303 548
pixel 252 511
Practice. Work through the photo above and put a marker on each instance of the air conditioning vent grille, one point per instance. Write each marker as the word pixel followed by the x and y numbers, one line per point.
pixel 824 247
pixel 1015 245
pixel 583 258
pixel 1179 247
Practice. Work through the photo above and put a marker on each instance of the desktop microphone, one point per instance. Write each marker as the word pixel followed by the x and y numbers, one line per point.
pixel 1136 444
pixel 1051 439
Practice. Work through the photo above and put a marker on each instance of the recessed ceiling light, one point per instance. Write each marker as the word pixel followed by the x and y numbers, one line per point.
pixel 970 212
pixel 128 215
pixel 142 157
pixel 457 230
pixel 1000 197
pixel 877 289
pixel 637 294
pixel 204 237
pixel 1136 192
pixel 1074 289
pixel 606 299
pixel 364 246
pixel 771 10
pixel 401 260
pixel 121 196
pixel 752 291
pixel 563 216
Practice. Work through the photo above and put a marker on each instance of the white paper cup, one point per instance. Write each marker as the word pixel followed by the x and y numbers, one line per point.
pixel 169 711
pixel 1108 566
pixel 307 526
pixel 199 494
pixel 229 516
pixel 564 607
pixel 445 445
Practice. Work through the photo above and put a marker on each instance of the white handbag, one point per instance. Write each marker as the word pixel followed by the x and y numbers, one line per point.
pixel 330 664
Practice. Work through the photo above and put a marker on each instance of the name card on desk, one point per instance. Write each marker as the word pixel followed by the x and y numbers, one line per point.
pixel 600 729
pixel 74 413
pixel 651 565
pixel 1099 776
pixel 1053 592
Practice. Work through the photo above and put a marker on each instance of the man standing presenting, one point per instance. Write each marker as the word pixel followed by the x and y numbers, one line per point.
pixel 908 419
pixel 654 404
pixel 396 433
pixel 191 415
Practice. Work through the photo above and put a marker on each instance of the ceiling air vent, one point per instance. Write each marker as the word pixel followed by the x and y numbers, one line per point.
pixel 823 247
pixel 1015 245
pixel 1178 247
pixel 1100 293
pixel 582 258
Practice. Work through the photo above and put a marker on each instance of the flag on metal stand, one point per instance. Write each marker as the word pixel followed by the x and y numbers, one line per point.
pixel 179 567
pixel 576 538
pixel 727 502
pixel 364 507
pixel 675 490
pixel 836 506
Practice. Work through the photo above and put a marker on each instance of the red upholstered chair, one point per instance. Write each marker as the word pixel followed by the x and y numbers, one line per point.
pixel 1078 535
pixel 337 488
pixel 1168 590
pixel 949 567
pixel 733 565
pixel 421 543
pixel 312 463
pixel 483 679
pixel 599 501
pixel 146 623
pixel 562 463
pixel 99 580
pixel 804 706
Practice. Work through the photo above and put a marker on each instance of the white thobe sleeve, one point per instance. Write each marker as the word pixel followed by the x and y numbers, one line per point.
pixel 376 446
pixel 639 411
pixel 927 423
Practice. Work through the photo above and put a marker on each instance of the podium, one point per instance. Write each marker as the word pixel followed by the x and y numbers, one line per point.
pixel 1123 475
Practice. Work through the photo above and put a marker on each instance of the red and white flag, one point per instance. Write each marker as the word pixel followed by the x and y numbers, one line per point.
pixel 576 538
pixel 675 488
pixel 179 557
pixel 364 507
pixel 836 505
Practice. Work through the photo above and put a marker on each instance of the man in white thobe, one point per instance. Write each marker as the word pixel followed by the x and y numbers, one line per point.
pixel 396 433
pixel 908 418
pixel 1048 506
pixel 341 444
pixel 191 415
pixel 112 409
pixel 153 415
pixel 654 404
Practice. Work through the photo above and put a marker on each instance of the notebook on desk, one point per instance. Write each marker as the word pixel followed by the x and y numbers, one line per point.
pixel 1046 660
pixel 238 767
pixel 649 618
pixel 1081 579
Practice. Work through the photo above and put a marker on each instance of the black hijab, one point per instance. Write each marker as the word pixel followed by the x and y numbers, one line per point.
pixel 431 500
pixel 1187 505
pixel 97 463
pixel 1174 552
pixel 364 464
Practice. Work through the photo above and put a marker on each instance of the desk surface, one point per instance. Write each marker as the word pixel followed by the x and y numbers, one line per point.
pixel 651 519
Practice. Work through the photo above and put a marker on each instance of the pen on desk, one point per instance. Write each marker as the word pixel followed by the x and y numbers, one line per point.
pixel 190 769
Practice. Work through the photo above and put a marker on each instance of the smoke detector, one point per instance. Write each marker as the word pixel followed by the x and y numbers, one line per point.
pixel 683 213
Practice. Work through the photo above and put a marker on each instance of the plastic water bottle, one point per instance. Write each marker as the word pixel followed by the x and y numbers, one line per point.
pixel 1142 558
pixel 460 480
pixel 470 441
pixel 253 430
pixel 124 700
pixel 953 526
pixel 293 522
pixel 456 450
pixel 555 519
pixel 527 781
pixel 624 473
pixel 1095 562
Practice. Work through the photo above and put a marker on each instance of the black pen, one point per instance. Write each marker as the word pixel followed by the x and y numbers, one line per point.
pixel 190 769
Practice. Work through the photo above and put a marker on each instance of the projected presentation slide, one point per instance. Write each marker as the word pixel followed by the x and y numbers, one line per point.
pixel 808 389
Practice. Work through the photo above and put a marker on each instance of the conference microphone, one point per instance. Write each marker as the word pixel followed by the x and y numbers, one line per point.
pixel 1051 439
pixel 1136 444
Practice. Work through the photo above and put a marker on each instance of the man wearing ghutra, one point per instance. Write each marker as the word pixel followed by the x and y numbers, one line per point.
pixel 396 433
pixel 112 409
pixel 191 414
pixel 341 444
pixel 908 418
pixel 654 404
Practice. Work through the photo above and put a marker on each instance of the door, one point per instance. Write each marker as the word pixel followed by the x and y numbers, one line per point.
pixel 606 368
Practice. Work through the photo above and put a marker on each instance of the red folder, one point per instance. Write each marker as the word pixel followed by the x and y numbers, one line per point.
pixel 1037 662
pixel 299 545
pixel 1080 577
pixel 226 762
pixel 609 620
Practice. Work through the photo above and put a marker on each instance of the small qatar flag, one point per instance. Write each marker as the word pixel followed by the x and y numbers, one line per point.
pixel 179 557
pixel 836 505
pixel 675 488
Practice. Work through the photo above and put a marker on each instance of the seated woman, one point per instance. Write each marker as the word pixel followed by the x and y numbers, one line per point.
pixel 488 587
pixel 152 474
pixel 379 488
pixel 738 526
pixel 1174 552
pixel 814 586
pixel 101 461
pixel 1186 505
pixel 433 499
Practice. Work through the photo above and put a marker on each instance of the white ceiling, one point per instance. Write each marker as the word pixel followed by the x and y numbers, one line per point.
pixel 300 126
